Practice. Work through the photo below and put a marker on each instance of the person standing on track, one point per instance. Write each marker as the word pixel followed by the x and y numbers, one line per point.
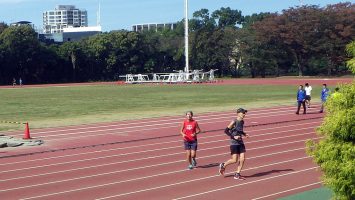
pixel 189 131
pixel 237 147
pixel 323 96
pixel 308 90
pixel 301 100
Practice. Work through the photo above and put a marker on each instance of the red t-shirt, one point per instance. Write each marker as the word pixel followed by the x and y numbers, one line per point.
pixel 189 129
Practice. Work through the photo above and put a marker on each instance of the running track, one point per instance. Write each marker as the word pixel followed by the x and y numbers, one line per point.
pixel 145 160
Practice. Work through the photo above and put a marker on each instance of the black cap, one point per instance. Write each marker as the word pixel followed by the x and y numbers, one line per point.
pixel 241 110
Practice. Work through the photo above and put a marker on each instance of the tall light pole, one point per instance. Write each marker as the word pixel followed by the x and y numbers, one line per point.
pixel 186 38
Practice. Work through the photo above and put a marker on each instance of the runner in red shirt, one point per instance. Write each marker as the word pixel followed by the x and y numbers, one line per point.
pixel 189 130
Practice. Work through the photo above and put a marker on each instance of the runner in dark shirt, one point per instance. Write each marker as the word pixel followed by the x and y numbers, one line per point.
pixel 237 147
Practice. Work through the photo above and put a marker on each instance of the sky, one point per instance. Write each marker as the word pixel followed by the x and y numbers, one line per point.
pixel 122 14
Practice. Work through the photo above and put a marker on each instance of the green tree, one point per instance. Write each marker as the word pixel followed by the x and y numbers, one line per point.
pixel 212 49
pixel 227 17
pixel 163 50
pixel 350 48
pixel 314 37
pixel 3 26
pixel 297 29
pixel 335 29
pixel 21 52
pixel 202 20
pixel 335 153
pixel 260 54
pixel 70 52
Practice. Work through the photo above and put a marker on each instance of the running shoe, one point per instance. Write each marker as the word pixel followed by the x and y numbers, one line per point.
pixel 237 176
pixel 190 167
pixel 221 169
pixel 194 163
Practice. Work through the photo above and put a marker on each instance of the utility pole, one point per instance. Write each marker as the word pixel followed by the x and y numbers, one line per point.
pixel 186 39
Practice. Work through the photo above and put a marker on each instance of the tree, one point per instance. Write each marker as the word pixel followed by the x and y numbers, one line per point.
pixel 314 37
pixel 202 20
pixel 70 52
pixel 212 49
pixel 3 26
pixel 260 54
pixel 20 47
pixel 335 30
pixel 350 48
pixel 227 17
pixel 335 153
pixel 297 29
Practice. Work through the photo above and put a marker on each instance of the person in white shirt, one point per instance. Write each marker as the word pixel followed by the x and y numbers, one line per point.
pixel 308 90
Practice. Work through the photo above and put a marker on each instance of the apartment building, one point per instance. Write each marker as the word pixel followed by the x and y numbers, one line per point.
pixel 63 16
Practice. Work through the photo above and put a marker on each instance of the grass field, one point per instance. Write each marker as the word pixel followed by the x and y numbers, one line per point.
pixel 58 106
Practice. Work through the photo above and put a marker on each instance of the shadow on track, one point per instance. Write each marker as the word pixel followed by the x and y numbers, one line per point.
pixel 265 173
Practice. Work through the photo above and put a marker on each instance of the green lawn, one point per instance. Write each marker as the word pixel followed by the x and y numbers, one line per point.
pixel 58 106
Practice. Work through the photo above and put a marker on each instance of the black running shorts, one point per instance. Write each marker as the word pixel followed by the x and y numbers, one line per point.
pixel 237 149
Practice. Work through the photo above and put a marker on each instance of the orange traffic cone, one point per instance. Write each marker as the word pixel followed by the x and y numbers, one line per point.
pixel 27 132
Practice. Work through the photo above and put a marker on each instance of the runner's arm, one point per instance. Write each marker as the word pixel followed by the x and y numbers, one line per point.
pixel 198 130
pixel 182 130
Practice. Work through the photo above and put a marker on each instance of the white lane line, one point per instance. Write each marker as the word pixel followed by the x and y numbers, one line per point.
pixel 184 182
pixel 153 123
pixel 168 142
pixel 141 178
pixel 174 184
pixel 297 188
pixel 132 160
pixel 234 186
pixel 150 121
pixel 139 168
pixel 161 125
pixel 82 135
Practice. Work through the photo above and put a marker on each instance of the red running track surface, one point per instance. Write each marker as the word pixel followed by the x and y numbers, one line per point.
pixel 145 160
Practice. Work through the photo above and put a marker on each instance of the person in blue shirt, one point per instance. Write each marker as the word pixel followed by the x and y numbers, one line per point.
pixel 301 100
pixel 323 96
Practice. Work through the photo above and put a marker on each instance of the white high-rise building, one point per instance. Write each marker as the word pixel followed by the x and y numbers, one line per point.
pixel 63 16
